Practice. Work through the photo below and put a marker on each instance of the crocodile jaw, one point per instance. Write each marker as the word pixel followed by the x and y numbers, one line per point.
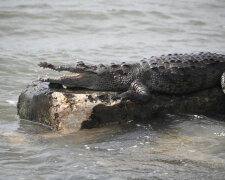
pixel 72 76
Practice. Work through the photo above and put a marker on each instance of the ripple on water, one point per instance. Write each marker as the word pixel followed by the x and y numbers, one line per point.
pixel 168 147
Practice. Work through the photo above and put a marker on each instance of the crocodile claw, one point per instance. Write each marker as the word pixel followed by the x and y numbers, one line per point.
pixel 120 97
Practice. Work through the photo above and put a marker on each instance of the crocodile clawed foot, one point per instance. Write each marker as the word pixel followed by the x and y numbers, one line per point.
pixel 122 97
pixel 123 100
pixel 132 96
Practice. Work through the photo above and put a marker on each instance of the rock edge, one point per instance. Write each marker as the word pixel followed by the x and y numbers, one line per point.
pixel 71 110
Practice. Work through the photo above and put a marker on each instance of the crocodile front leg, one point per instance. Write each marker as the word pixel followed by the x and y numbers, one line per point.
pixel 223 82
pixel 137 92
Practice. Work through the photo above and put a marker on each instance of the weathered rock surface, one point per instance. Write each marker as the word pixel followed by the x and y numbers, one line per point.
pixel 71 110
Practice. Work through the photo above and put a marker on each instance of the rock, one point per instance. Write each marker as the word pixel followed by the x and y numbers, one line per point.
pixel 71 110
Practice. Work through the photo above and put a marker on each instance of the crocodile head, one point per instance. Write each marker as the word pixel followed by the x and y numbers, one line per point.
pixel 101 77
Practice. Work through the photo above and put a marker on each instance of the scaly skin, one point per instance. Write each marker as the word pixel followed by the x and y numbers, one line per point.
pixel 170 74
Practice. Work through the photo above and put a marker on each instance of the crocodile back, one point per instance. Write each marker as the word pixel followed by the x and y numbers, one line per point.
pixel 182 73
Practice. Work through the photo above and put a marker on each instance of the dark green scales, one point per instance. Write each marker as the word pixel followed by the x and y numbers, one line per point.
pixel 169 74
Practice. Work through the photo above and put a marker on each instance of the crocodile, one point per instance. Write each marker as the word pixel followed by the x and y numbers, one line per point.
pixel 172 74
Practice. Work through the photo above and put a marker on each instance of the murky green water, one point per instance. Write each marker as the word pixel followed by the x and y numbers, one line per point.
pixel 170 147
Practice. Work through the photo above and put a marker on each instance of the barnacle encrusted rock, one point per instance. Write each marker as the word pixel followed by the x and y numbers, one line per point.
pixel 71 110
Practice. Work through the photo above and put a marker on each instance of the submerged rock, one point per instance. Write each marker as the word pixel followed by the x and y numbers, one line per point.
pixel 71 110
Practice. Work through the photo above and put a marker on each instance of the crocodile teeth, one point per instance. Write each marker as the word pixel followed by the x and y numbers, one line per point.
pixel 72 76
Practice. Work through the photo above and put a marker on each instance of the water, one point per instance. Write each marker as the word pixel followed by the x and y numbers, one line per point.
pixel 170 147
